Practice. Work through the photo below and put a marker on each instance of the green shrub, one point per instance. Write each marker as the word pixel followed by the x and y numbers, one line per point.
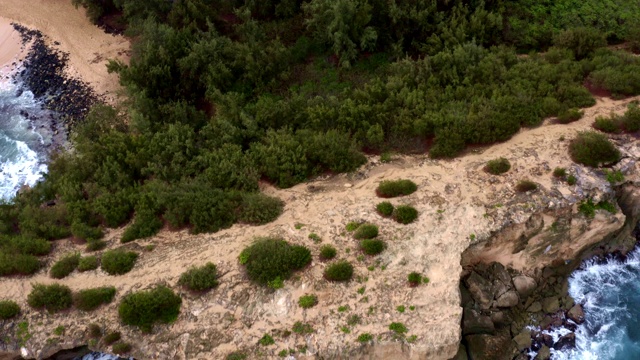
pixel 302 328
pixel 570 115
pixel 385 208
pixel 588 208
pixel 200 278
pixel 118 262
pixel 571 180
pixel 405 214
pixel 17 264
pixel 398 328
pixel 315 237
pixel 327 252
pixel 258 209
pixel 365 337
pixel 559 172
pixel 236 355
pixel 26 245
pixel 145 308
pixel 96 245
pixel 525 185
pixel 8 309
pixel 608 125
pixel 614 176
pixel 268 259
pixel 65 266
pixel 121 348
pixel 372 246
pixel 366 231
pixel 53 298
pixel 91 299
pixel 266 340
pixel 414 278
pixel 307 301
pixel 87 263
pixel 144 225
pixel 111 338
pixel 352 226
pixel 94 331
pixel 393 188
pixel 631 118
pixel 85 232
pixel 339 271
pixel 583 41
pixel 592 149
pixel 497 166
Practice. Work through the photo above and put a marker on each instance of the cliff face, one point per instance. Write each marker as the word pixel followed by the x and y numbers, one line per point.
pixel 468 221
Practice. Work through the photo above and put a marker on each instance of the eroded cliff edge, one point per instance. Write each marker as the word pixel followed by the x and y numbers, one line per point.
pixel 467 218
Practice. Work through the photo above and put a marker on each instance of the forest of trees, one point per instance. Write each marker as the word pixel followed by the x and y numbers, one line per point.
pixel 225 93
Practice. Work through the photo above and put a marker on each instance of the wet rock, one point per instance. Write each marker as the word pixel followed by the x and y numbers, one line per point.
pixel 576 313
pixel 488 347
pixel 480 290
pixel 475 323
pixel 550 305
pixel 524 285
pixel 508 299
pixel 567 341
pixel 544 353
pixel 547 340
pixel 523 340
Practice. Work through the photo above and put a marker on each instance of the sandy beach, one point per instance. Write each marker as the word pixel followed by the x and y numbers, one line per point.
pixel 68 30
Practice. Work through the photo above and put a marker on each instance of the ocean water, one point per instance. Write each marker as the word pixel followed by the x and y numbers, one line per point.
pixel 610 294
pixel 26 137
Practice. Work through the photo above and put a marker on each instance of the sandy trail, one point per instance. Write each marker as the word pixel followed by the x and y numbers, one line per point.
pixel 89 47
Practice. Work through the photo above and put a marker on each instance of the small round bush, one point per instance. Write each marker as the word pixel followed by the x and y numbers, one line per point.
pixel 327 252
pixel 121 348
pixel 609 125
pixel 385 208
pixel 571 180
pixel 526 185
pixel 393 188
pixel 26 245
pixel 372 246
pixel 398 328
pixel 94 331
pixel 258 209
pixel 631 118
pixel 339 271
pixel 236 355
pixel 414 278
pixel 405 214
pixel 14 264
pixel 88 263
pixel 53 298
pixel 96 245
pixel 308 301
pixel 91 299
pixel 559 172
pixel 592 149
pixel 65 266
pixel 366 231
pixel 8 309
pixel 365 337
pixel 144 225
pixel 570 115
pixel 111 337
pixel 200 278
pixel 144 308
pixel 268 259
pixel 118 262
pixel 497 166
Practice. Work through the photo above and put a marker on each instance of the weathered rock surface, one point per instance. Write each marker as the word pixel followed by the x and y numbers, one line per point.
pixel 524 285
pixel 475 323
pixel 576 313
pixel 523 340
pixel 508 299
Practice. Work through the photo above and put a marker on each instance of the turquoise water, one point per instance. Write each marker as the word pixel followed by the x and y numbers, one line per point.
pixel 610 294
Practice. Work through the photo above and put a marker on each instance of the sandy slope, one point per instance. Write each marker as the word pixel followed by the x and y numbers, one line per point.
pixel 88 46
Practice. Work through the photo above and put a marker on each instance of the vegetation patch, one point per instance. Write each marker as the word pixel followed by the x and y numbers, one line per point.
pixel 301 328
pixel 364 338
pixel 8 309
pixel 118 262
pixel 18 264
pixel 91 299
pixel 308 301
pixel 385 208
pixel 372 246
pixel 259 209
pixel 405 214
pixel 497 166
pixel 269 259
pixel 366 231
pixel 87 263
pixel 65 266
pixel 414 279
pixel 111 338
pixel 394 188
pixel 266 340
pixel 327 252
pixel 398 328
pixel 201 278
pixel 339 271
pixel 593 149
pixel 53 298
pixel 96 245
pixel 588 207
pixel 145 308
pixel 570 115
pixel 526 185
pixel 121 348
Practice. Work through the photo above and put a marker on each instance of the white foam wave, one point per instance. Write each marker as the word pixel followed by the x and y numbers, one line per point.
pixel 20 167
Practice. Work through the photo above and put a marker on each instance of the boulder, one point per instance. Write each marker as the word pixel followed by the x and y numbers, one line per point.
pixel 473 322
pixel 567 341
pixel 462 353
pixel 508 299
pixel 499 319
pixel 500 273
pixel 550 305
pixel 480 289
pixel 489 347
pixel 544 353
pixel 524 285
pixel 523 340
pixel 576 313
pixel 535 307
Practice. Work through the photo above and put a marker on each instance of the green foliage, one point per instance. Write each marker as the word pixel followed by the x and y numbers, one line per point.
pixel 302 328
pixel 65 266
pixel 570 115
pixel 588 208
pixel 400 308
pixel 372 246
pixel 259 209
pixel 559 172
pixel 608 125
pixel 339 271
pixel 308 301
pixel 94 331
pixel 525 185
pixel 592 149
pixel 145 308
pixel 497 166
pixel 405 214
pixel 385 208
pixel 266 340
pixel 200 278
pixel 366 231
pixel 8 309
pixel 270 258
pixel 571 179
pixel 53 298
pixel 12 264
pixel 111 338
pixel 118 262
pixel 59 331
pixel 394 188
pixel 87 263
pixel 85 232
pixel 364 338
pixel 582 41
pixel 327 252
pixel 96 245
pixel 121 348
pixel 352 226
pixel 315 237
pixel 614 176
pixel 236 355
pixel 414 278
pixel 91 299
pixel 398 328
